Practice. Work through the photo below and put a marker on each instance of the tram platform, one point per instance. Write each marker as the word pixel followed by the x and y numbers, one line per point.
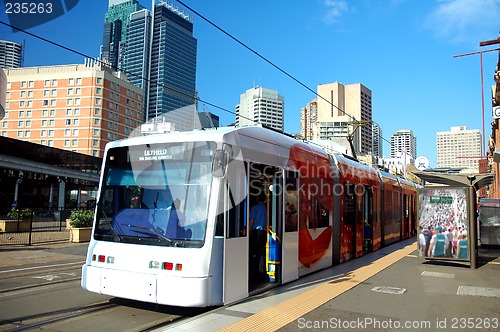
pixel 390 289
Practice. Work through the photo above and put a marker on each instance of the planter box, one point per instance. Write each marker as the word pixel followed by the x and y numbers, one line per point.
pixel 9 226
pixel 80 234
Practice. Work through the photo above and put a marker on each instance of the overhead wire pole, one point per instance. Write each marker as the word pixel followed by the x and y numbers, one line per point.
pixel 490 42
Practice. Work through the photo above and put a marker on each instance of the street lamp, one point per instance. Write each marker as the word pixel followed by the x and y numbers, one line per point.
pixel 484 43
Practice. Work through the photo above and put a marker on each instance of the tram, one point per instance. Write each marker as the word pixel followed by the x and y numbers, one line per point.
pixel 172 219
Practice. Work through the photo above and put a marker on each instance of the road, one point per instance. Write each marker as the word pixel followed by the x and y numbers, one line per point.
pixel 41 290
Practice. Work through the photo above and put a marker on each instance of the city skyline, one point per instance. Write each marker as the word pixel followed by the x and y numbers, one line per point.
pixel 416 83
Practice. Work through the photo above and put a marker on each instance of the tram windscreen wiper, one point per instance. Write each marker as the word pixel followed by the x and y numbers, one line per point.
pixel 115 235
pixel 158 234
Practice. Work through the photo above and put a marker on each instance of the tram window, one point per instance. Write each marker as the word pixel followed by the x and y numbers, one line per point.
pixel 291 202
pixel 349 204
pixel 236 222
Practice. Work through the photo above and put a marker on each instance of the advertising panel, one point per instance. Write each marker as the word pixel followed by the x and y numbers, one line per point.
pixel 443 223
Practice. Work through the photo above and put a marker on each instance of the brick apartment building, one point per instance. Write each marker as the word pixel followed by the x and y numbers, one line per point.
pixel 78 107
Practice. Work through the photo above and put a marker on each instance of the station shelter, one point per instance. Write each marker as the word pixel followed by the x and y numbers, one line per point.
pixel 41 178
pixel 452 197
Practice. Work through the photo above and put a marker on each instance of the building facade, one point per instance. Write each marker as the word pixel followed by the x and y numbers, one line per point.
pixel 344 110
pixel 459 147
pixel 158 52
pixel 308 120
pixel 377 139
pixel 172 71
pixel 403 142
pixel 78 108
pixel 261 106
pixel 114 39
pixel 11 54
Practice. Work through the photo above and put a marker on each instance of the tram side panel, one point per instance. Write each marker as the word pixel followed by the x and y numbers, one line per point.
pixel 315 207
pixel 391 204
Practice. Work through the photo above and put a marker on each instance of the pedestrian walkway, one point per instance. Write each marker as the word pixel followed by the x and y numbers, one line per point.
pixel 389 289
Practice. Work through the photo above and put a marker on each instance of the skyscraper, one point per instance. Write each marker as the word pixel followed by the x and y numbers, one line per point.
pixel 308 120
pixel 339 106
pixel 11 54
pixel 261 105
pixel 172 73
pixel 403 142
pixel 115 31
pixel 459 147
pixel 377 138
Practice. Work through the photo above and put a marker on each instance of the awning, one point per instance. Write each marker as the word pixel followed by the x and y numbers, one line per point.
pixel 478 181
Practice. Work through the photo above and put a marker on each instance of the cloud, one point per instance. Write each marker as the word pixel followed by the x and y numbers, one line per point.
pixel 464 20
pixel 335 10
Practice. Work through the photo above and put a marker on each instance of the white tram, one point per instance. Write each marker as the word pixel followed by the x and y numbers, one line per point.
pixel 172 216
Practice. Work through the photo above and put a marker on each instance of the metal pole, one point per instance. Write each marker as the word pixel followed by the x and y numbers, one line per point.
pixel 471 203
pixel 483 145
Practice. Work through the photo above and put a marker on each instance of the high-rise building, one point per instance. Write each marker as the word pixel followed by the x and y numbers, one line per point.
pixel 11 54
pixel 137 56
pixel 377 139
pixel 159 56
pixel 172 71
pixel 403 142
pixel 261 106
pixel 341 108
pixel 3 92
pixel 77 107
pixel 114 41
pixel 308 120
pixel 459 147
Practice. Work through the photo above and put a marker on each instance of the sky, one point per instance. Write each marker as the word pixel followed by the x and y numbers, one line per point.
pixel 402 50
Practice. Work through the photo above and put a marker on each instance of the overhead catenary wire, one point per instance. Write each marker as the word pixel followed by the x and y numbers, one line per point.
pixel 197 97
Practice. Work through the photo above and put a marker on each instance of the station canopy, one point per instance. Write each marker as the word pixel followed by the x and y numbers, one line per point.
pixel 477 181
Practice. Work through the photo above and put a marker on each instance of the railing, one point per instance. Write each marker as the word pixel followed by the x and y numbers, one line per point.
pixel 30 226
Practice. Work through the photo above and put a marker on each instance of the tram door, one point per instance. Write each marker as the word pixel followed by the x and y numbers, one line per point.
pixel 274 240
pixel 235 264
pixel 265 239
pixel 290 240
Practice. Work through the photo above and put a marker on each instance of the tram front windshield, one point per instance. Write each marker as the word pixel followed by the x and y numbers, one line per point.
pixel 156 194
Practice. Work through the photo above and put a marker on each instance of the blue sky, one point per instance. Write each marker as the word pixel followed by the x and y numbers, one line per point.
pixel 402 50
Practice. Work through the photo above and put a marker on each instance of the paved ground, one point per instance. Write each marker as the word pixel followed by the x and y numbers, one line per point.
pixel 416 294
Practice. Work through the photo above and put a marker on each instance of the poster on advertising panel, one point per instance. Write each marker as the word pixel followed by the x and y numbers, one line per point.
pixel 443 223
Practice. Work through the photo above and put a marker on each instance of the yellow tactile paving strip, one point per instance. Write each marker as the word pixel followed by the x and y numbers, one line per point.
pixel 292 309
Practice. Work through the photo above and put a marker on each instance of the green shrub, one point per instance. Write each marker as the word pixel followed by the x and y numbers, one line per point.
pixel 24 214
pixel 81 218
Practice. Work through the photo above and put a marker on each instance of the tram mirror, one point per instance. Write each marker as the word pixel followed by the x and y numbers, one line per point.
pixel 219 163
